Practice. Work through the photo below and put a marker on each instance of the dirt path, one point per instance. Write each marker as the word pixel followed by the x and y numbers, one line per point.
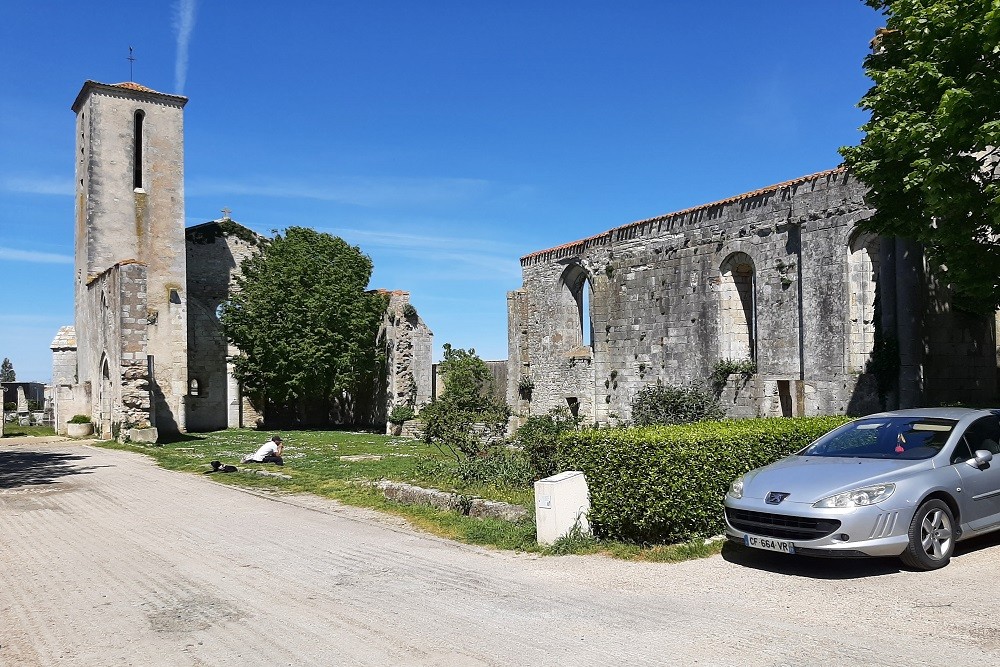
pixel 106 559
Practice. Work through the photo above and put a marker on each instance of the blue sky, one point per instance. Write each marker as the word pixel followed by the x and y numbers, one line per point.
pixel 446 139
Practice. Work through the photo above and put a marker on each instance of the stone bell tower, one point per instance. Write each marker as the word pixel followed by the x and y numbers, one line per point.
pixel 130 281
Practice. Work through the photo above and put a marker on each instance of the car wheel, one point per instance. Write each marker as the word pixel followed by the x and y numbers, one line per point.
pixel 932 537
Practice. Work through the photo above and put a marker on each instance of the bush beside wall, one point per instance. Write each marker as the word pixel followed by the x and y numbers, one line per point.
pixel 665 484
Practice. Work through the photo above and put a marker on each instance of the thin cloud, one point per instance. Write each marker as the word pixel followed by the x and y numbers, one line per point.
pixel 38 186
pixel 369 193
pixel 14 255
pixel 404 240
pixel 489 258
pixel 184 25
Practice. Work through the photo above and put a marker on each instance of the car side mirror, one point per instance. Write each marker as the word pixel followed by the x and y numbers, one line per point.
pixel 983 456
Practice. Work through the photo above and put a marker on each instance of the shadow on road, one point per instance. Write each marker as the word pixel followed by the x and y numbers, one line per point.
pixel 977 544
pixel 26 467
pixel 805 566
pixel 838 568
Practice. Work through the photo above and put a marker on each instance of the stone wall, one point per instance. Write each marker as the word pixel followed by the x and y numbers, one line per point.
pixel 214 253
pixel 498 377
pixel 407 343
pixel 779 276
pixel 120 390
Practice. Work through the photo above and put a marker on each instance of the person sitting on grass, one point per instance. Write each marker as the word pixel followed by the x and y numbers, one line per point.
pixel 269 452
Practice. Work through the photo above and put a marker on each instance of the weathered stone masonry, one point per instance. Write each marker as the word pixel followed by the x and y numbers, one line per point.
pixel 130 221
pixel 214 252
pixel 779 275
pixel 407 343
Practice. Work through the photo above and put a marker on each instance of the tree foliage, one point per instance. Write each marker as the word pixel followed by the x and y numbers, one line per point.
pixel 466 420
pixel 7 373
pixel 303 323
pixel 468 381
pixel 929 154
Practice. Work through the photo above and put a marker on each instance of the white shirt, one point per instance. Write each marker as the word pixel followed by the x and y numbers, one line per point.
pixel 270 447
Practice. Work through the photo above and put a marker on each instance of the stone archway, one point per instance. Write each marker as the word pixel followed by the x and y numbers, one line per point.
pixel 737 302
pixel 862 286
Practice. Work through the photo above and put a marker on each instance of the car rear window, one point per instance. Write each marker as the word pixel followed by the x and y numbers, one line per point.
pixel 885 438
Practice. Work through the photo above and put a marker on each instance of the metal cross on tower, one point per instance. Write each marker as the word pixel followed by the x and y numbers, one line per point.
pixel 131 60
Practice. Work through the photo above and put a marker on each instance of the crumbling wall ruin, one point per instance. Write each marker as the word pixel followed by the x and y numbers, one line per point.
pixel 407 344
pixel 779 277
pixel 214 252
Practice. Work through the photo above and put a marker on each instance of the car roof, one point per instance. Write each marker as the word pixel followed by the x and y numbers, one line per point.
pixel 938 413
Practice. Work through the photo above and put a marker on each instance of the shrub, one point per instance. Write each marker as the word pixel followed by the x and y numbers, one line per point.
pixel 499 467
pixel 80 419
pixel 675 404
pixel 525 385
pixel 538 437
pixel 465 421
pixel 409 312
pixel 464 432
pixel 666 483
pixel 723 368
pixel 400 414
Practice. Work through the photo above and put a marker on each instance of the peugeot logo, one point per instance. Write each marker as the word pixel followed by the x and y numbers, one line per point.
pixel 775 497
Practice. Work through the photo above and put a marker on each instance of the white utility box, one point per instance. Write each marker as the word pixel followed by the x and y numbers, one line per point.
pixel 560 502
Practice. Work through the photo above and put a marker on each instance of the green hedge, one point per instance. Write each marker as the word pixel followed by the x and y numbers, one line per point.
pixel 666 483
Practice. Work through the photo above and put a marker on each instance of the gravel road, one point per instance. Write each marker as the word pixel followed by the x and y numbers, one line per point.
pixel 106 559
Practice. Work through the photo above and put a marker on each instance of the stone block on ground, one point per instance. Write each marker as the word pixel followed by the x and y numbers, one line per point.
pixel 143 435
pixel 410 494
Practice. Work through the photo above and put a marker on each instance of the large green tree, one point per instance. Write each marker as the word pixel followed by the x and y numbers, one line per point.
pixel 7 371
pixel 304 323
pixel 930 148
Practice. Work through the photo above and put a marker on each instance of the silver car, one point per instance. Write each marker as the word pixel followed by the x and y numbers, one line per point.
pixel 908 483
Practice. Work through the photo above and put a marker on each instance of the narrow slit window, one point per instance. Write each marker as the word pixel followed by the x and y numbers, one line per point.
pixel 137 151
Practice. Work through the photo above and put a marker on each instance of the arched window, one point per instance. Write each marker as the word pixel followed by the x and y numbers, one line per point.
pixel 137 150
pixel 862 285
pixel 575 306
pixel 738 308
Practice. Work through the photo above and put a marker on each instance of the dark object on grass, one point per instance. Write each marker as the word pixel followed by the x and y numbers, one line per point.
pixel 218 467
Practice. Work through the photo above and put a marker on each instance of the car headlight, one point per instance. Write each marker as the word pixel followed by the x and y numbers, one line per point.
pixel 866 495
pixel 736 488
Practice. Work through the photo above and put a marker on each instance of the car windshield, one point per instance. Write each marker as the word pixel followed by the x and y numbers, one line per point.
pixel 885 438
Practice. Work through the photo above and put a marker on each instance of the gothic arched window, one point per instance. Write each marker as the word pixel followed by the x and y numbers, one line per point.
pixel 576 304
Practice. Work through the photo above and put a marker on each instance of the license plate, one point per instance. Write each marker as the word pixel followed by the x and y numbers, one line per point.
pixel 769 544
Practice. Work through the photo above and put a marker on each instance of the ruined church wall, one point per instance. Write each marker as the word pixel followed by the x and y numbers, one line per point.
pixel 408 347
pixel 213 261
pixel 658 293
pixel 114 309
pixel 959 353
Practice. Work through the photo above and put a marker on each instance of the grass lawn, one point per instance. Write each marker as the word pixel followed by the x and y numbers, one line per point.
pixel 11 430
pixel 318 462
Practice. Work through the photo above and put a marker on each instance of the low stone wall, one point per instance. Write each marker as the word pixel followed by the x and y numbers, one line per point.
pixel 412 428
pixel 409 494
